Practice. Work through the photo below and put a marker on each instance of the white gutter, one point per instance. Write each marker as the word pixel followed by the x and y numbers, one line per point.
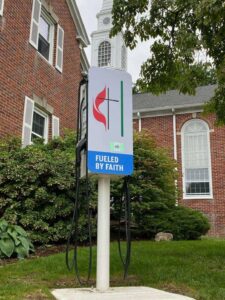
pixel 168 107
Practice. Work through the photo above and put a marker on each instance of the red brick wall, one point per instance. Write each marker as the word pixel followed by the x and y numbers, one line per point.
pixel 24 72
pixel 162 129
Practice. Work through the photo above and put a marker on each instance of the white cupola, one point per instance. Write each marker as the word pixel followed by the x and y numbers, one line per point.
pixel 107 4
pixel 107 52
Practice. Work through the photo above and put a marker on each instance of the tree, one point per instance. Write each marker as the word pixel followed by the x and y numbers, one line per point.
pixel 179 30
pixel 208 78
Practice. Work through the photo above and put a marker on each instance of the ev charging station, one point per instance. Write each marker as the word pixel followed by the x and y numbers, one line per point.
pixel 109 148
pixel 105 150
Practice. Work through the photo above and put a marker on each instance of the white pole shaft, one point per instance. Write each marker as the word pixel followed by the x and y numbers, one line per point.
pixel 103 234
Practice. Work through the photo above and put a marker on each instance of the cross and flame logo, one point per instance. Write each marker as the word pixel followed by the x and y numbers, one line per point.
pixel 96 110
pixel 102 97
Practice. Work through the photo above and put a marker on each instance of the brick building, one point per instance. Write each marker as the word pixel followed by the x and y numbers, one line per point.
pixel 176 122
pixel 41 64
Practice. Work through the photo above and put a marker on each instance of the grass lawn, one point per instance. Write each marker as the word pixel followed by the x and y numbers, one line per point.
pixel 195 269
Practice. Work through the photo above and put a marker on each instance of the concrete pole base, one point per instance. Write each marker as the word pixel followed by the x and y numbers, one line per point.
pixel 121 293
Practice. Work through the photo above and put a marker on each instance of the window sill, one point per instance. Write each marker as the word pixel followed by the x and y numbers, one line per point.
pixel 198 197
pixel 47 61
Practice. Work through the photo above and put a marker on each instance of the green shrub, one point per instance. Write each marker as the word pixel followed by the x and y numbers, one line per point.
pixel 14 241
pixel 37 191
pixel 184 223
pixel 37 187
pixel 154 194
pixel 187 224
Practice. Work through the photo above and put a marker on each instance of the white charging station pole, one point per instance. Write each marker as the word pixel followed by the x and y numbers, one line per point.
pixel 109 153
pixel 103 234
pixel 110 149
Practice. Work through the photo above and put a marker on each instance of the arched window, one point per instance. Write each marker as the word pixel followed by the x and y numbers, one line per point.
pixel 124 57
pixel 104 54
pixel 196 160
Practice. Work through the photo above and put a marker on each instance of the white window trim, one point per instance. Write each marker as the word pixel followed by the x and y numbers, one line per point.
pixel 51 22
pixel 123 57
pixel 2 8
pixel 111 56
pixel 44 115
pixel 186 197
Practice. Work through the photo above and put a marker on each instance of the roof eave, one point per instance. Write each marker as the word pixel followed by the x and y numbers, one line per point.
pixel 81 31
pixel 168 110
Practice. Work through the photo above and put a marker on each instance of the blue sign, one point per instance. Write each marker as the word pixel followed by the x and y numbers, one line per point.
pixel 110 163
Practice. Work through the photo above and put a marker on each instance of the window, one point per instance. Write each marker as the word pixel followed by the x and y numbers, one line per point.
pixel 46 37
pixel 35 123
pixel 1 7
pixel 104 54
pixel 42 35
pixel 39 125
pixel 196 160
pixel 124 57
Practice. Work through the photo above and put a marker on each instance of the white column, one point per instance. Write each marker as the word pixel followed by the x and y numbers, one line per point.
pixel 103 234
pixel 174 135
pixel 175 147
pixel 139 122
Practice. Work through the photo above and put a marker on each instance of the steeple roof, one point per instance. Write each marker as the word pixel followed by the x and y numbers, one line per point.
pixel 107 4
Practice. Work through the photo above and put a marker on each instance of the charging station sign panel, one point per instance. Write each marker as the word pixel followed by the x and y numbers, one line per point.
pixel 110 124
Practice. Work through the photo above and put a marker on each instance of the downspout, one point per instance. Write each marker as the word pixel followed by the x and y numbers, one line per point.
pixel 175 148
pixel 139 122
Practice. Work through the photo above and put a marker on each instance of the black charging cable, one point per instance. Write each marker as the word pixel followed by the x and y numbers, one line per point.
pixel 73 234
pixel 126 207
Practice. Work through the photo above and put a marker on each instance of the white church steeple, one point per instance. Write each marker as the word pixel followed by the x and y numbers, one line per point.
pixel 107 4
pixel 107 52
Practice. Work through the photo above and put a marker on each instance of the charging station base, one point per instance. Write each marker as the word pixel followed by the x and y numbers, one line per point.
pixel 121 293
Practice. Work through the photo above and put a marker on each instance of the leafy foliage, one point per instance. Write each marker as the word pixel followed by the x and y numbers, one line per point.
pixel 178 31
pixel 154 192
pixel 184 223
pixel 14 241
pixel 37 190
pixel 37 187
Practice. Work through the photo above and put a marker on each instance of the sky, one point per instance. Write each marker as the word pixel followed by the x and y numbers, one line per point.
pixel 88 10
